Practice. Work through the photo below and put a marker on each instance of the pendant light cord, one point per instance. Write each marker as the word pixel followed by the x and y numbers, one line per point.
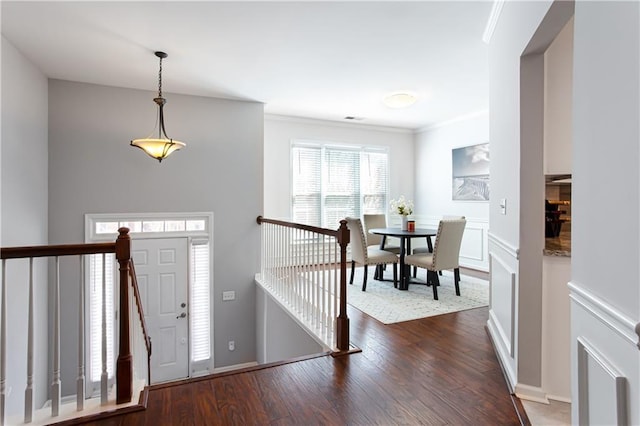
pixel 160 80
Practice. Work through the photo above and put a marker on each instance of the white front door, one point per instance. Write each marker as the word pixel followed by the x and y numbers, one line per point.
pixel 161 269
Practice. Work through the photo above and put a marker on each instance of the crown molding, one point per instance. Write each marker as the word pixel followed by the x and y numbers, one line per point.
pixel 454 120
pixel 493 20
pixel 321 122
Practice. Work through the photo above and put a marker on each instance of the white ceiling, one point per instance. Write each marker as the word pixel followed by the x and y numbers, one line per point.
pixel 322 60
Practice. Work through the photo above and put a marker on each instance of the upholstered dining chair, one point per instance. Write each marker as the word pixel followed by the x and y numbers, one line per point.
pixel 446 254
pixel 365 256
pixel 372 221
pixel 418 250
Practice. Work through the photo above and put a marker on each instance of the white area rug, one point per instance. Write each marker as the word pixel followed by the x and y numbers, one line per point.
pixel 390 305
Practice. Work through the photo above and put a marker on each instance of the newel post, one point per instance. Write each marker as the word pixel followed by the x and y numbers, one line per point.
pixel 342 332
pixel 124 369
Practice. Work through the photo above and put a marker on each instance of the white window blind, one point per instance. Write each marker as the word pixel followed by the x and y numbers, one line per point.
pixel 200 312
pixel 332 182
pixel 95 314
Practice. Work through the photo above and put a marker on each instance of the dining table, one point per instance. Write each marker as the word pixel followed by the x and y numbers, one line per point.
pixel 405 247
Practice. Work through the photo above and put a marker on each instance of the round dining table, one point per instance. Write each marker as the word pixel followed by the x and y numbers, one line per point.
pixel 405 247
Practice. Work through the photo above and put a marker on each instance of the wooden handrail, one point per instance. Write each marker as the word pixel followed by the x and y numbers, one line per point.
pixel 342 236
pixel 315 229
pixel 136 294
pixel 59 250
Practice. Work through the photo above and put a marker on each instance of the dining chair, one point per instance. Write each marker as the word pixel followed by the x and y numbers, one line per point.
pixel 372 221
pixel 446 254
pixel 367 255
pixel 418 250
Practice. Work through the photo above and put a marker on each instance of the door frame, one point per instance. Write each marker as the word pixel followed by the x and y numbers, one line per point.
pixel 201 229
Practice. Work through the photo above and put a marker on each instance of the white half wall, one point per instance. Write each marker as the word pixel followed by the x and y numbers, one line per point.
pixel 280 131
pixel 94 170
pixel 279 336
pixel 556 328
pixel 24 218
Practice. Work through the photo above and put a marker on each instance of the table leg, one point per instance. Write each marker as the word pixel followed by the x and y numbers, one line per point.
pixel 404 284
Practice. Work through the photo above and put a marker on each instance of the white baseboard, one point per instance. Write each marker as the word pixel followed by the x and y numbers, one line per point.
pixel 559 398
pixel 234 367
pixel 531 393
pixel 501 354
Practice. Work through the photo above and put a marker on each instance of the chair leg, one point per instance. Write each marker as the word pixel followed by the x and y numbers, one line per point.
pixel 353 270
pixel 433 281
pixel 415 271
pixel 456 279
pixel 395 275
pixel 364 280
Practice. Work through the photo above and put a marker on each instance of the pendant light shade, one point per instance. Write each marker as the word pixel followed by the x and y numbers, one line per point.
pixel 162 146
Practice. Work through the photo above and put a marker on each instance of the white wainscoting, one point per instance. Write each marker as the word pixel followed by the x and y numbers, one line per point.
pixel 604 349
pixel 502 323
pixel 474 248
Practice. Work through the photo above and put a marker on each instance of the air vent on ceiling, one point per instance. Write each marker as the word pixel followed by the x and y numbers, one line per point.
pixel 350 117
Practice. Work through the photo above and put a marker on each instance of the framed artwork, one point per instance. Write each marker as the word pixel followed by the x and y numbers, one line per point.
pixel 470 173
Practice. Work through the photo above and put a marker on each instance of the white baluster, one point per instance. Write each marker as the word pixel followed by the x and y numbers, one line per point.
pixel 81 349
pixel 104 394
pixel 55 385
pixel 3 342
pixel 28 392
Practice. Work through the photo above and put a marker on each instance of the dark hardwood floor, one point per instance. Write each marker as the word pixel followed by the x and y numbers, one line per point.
pixel 434 371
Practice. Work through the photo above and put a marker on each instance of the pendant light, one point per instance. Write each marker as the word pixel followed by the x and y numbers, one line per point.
pixel 162 146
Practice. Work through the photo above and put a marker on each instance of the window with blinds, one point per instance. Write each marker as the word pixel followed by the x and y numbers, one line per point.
pixel 332 182
pixel 200 302
pixel 95 313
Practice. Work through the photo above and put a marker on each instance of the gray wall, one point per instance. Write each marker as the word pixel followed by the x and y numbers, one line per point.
pixel 94 170
pixel 24 215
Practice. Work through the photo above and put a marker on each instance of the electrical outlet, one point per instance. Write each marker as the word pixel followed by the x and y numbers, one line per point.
pixel 232 345
pixel 228 295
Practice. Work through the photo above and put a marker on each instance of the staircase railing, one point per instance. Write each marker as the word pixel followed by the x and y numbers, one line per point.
pixel 305 268
pixel 128 295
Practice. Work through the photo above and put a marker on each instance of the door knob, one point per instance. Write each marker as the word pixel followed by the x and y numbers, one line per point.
pixel 182 315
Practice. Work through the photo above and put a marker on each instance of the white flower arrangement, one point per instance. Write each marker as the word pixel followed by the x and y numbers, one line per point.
pixel 401 206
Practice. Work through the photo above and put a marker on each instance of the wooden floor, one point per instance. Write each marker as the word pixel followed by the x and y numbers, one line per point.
pixel 435 371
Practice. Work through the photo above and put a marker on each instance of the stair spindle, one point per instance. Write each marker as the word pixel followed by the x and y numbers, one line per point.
pixel 28 392
pixel 3 342
pixel 55 385
pixel 81 344
pixel 104 378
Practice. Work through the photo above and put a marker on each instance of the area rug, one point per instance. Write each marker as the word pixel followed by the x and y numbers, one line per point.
pixel 390 305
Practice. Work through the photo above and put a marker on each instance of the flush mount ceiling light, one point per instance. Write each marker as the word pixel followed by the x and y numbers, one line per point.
pixel 399 100
pixel 162 146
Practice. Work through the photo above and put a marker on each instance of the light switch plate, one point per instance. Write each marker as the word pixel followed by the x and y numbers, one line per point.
pixel 503 205
pixel 229 295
